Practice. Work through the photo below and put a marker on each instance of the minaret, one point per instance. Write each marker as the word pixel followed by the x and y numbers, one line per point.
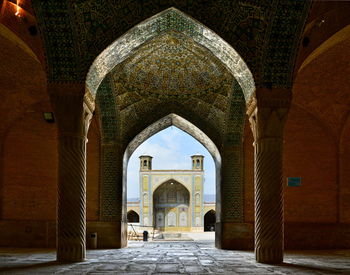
pixel 145 163
pixel 197 162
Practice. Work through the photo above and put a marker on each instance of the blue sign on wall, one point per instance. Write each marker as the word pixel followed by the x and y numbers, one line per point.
pixel 294 181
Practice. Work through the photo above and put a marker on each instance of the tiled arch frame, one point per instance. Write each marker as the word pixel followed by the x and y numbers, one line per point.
pixel 169 20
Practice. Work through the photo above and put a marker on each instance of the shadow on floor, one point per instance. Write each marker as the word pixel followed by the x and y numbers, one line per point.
pixel 29 266
pixel 302 267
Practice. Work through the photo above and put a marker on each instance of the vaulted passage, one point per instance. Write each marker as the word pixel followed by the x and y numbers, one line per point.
pixel 262 85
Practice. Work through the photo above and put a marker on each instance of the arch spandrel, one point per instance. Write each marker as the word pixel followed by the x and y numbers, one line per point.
pixel 169 20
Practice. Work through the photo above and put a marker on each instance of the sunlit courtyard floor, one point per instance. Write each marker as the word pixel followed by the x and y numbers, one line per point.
pixel 197 257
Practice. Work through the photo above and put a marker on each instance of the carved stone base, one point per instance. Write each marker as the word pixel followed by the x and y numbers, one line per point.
pixel 269 255
pixel 74 251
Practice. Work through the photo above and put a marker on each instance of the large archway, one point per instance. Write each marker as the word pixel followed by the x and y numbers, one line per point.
pixel 207 97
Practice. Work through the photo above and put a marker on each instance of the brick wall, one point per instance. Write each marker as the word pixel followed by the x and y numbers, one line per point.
pixel 30 167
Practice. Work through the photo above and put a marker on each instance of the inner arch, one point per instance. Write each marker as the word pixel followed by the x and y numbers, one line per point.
pixel 189 128
pixel 169 20
pixel 179 122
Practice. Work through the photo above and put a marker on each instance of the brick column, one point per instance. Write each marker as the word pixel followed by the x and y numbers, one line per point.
pixel 267 115
pixel 73 119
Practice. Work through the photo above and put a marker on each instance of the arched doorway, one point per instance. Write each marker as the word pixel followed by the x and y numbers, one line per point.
pixel 210 220
pixel 171 207
pixel 133 217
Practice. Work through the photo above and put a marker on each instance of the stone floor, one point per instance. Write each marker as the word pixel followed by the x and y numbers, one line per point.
pixel 200 257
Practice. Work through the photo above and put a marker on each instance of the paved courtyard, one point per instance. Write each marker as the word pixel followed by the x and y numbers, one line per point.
pixel 200 257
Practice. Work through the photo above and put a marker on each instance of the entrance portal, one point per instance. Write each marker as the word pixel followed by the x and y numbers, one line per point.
pixel 171 211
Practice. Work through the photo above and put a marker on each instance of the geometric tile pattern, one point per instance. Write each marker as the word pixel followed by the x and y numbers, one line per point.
pixel 60 43
pixel 263 32
pixel 110 193
pixel 170 20
pixel 232 161
pixel 171 65
pixel 105 101
pixel 282 43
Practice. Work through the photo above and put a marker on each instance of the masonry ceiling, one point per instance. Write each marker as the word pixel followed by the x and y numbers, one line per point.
pixel 171 65
pixel 265 33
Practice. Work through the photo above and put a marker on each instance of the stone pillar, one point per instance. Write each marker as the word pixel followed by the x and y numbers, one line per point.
pixel 73 119
pixel 267 115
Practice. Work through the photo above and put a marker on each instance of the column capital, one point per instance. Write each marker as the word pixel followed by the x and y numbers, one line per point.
pixel 267 111
pixel 72 112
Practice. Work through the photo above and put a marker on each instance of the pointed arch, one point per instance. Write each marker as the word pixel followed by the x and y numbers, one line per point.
pixel 179 122
pixel 189 128
pixel 169 20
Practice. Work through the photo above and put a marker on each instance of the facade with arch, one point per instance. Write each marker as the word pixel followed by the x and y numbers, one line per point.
pixel 172 200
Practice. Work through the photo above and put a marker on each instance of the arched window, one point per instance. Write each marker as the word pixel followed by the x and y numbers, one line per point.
pixel 198 199
pixel 171 219
pixel 183 218
pixel 145 199
pixel 160 219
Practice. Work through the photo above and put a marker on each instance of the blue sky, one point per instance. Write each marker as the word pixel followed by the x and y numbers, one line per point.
pixel 171 148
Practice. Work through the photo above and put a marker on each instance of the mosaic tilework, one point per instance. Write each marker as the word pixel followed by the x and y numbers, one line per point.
pixel 105 101
pixel 111 187
pixel 170 20
pixel 280 54
pixel 58 33
pixel 232 184
pixel 171 65
pixel 263 32
pixel 236 117
pixel 232 165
